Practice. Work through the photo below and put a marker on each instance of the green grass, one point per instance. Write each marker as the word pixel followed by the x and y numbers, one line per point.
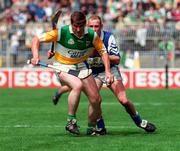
pixel 30 122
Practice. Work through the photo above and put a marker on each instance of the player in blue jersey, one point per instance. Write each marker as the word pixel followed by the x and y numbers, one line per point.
pixel 117 86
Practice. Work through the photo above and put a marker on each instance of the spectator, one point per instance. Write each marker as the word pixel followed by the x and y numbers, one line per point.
pixel 40 14
pixel 32 7
pixel 48 8
pixel 20 16
pixel 14 46
pixel 176 12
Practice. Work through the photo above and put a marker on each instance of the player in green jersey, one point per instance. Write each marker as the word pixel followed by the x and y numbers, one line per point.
pixel 73 45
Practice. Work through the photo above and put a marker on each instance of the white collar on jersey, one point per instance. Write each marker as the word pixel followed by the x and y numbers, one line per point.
pixel 102 35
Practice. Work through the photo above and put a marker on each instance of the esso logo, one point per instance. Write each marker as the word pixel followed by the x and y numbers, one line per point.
pixel 35 79
pixel 38 78
pixel 156 79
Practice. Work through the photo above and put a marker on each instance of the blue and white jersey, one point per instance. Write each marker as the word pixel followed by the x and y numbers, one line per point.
pixel 110 43
pixel 112 49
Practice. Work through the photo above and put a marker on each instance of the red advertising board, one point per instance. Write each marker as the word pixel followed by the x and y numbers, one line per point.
pixel 126 78
pixel 34 79
pixel 155 79
pixel 40 78
pixel 4 78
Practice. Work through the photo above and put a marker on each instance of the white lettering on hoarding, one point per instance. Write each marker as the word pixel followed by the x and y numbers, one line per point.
pixel 3 79
pixel 32 79
pixel 163 79
pixel 55 80
pixel 156 79
pixel 177 79
pixel 125 78
pixel 153 79
pixel 40 78
pixel 141 79
pixel 19 79
pixel 45 79
pixel 35 79
pixel 170 79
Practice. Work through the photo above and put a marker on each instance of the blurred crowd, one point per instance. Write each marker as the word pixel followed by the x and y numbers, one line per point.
pixel 131 20
pixel 112 11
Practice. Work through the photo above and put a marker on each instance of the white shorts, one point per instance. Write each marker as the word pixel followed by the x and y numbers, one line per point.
pixel 80 70
pixel 114 70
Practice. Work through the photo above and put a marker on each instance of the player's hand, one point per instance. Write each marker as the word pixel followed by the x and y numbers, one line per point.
pixel 50 54
pixel 34 61
pixel 109 78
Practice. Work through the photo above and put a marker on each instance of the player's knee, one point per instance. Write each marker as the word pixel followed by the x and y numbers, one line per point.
pixel 78 86
pixel 123 100
pixel 99 99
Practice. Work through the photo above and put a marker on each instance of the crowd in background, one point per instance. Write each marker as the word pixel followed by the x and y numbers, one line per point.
pixel 112 11
pixel 135 17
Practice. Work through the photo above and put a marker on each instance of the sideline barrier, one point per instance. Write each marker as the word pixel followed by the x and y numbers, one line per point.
pixel 43 78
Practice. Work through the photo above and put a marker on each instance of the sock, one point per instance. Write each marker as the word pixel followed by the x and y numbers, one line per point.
pixel 71 117
pixel 57 93
pixel 100 123
pixel 137 119
pixel 91 125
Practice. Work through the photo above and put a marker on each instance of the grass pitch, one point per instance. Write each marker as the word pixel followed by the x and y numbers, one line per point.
pixel 30 122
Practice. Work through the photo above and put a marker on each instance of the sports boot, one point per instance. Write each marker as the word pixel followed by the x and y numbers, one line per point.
pixel 56 97
pixel 101 131
pixel 91 131
pixel 148 127
pixel 72 127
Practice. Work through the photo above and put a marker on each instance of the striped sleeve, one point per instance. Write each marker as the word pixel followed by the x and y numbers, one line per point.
pixel 112 46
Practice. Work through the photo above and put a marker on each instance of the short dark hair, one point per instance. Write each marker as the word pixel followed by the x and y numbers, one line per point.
pixel 78 17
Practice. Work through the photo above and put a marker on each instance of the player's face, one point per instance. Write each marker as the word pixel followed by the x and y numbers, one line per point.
pixel 78 29
pixel 96 25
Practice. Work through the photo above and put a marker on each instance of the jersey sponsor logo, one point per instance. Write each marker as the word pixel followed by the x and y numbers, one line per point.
pixel 76 53
pixel 71 41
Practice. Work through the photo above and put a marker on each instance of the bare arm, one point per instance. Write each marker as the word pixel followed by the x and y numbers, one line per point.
pixel 35 50
pixel 114 59
pixel 46 37
pixel 99 46
pixel 106 61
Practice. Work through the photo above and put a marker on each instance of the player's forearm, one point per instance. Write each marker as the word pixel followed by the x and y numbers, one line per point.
pixel 114 59
pixel 106 61
pixel 35 47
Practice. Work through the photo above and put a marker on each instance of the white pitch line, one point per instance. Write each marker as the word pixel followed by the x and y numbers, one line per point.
pixel 145 103
pixel 53 126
